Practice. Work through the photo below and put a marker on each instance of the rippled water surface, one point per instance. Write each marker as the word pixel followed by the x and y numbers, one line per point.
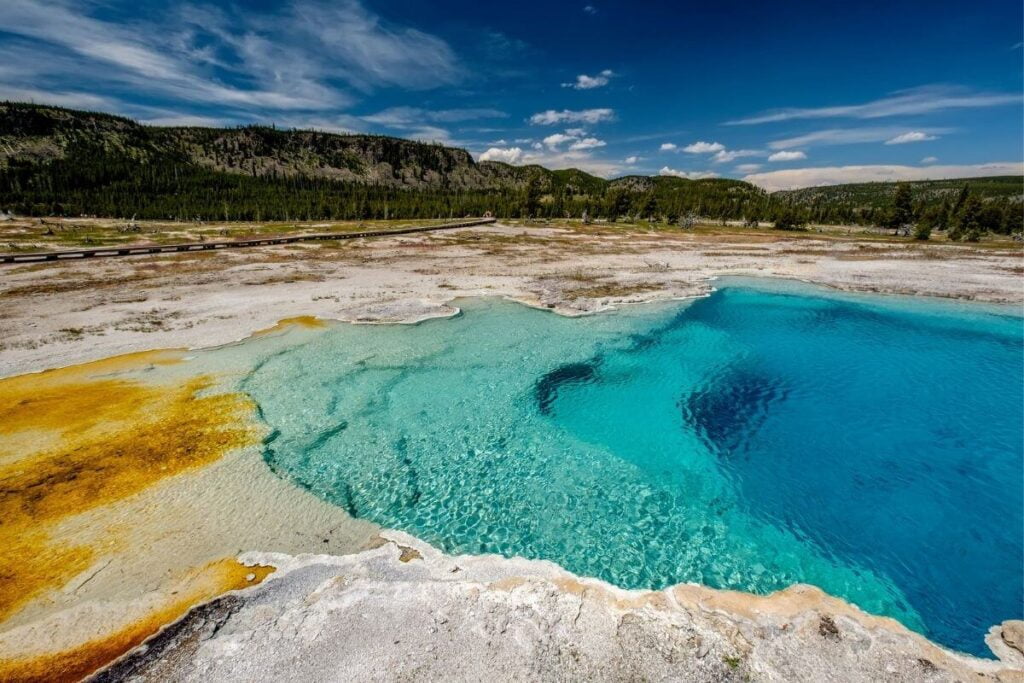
pixel 763 436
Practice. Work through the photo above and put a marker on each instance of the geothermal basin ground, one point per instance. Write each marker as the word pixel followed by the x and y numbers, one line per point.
pixel 139 483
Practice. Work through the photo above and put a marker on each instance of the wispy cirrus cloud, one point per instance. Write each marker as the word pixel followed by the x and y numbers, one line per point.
pixel 591 116
pixel 421 124
pixel 61 98
pixel 911 136
pixel 727 155
pixel 185 120
pixel 310 55
pixel 836 175
pixel 849 136
pixel 922 100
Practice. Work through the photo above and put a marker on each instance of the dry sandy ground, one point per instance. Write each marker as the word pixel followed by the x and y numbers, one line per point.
pixel 57 314
pixel 167 541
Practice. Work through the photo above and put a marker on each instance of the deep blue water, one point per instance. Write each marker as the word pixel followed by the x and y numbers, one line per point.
pixel 763 436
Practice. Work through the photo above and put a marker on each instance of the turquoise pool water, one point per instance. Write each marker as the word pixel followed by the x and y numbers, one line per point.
pixel 760 437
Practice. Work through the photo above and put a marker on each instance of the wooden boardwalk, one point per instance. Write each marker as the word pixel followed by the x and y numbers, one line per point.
pixel 141 249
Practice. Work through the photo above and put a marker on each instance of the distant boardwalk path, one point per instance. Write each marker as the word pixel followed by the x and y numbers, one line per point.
pixel 138 250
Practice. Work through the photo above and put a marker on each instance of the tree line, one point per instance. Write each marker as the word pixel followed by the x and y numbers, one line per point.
pixel 103 183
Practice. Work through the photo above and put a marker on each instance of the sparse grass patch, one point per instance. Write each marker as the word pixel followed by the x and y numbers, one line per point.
pixel 732 662
pixel 154 320
pixel 605 290
pixel 287 278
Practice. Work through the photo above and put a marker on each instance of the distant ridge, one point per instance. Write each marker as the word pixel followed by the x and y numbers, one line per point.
pixel 57 161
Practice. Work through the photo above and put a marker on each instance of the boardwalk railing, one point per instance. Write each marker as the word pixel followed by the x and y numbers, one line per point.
pixel 138 250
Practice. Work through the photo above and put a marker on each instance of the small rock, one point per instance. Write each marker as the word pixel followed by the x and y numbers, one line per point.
pixel 1013 634
pixel 250 577
pixel 827 628
pixel 409 554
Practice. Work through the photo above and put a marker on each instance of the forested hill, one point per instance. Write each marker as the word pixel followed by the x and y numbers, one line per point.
pixel 863 202
pixel 65 162
pixel 56 161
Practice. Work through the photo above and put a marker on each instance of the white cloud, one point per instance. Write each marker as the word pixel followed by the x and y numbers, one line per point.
pixel 575 136
pixel 846 136
pixel 551 117
pixel 726 155
pixel 922 100
pixel 587 143
pixel 557 139
pixel 748 168
pixel 523 141
pixel 912 136
pixel 589 9
pixel 837 175
pixel 787 156
pixel 929 160
pixel 510 155
pixel 631 160
pixel 585 82
pixel 702 147
pixel 692 175
pixel 574 159
pixel 577 155
pixel 668 147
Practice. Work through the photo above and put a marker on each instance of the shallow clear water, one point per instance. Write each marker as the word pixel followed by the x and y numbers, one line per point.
pixel 763 436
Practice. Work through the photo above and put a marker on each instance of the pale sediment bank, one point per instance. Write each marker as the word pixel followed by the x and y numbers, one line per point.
pixel 166 542
pixel 58 314
pixel 405 610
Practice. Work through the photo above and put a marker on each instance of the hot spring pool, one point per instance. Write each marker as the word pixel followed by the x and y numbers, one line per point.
pixel 767 435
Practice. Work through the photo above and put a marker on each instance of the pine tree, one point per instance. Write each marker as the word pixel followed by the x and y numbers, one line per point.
pixel 968 223
pixel 902 212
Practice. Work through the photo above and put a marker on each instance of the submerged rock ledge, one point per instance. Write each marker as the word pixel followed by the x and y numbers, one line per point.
pixel 405 610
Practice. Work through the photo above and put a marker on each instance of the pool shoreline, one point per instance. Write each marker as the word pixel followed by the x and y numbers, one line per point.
pixel 93 312
pixel 403 310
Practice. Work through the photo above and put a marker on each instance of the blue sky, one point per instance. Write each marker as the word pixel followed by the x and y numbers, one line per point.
pixel 783 94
